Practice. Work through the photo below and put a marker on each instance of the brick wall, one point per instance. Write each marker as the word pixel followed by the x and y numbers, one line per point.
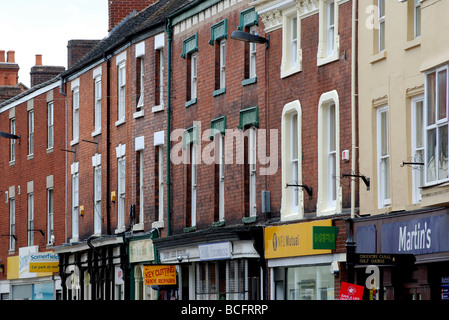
pixel 44 162
pixel 120 9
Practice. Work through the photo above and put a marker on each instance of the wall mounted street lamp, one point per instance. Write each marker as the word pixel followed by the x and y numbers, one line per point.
pixel 249 37
pixel 8 135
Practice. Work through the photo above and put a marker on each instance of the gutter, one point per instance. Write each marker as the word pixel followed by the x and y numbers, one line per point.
pixel 354 94
pixel 169 31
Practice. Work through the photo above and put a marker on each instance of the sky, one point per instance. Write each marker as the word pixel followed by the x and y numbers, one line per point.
pixel 31 27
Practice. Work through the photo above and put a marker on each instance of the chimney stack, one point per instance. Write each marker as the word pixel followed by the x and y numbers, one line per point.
pixel 38 59
pixel 120 9
pixel 40 73
pixel 11 56
pixel 2 56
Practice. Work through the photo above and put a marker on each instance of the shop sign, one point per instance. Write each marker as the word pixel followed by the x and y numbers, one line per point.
pixel 293 240
pixel 141 250
pixel 324 237
pixel 416 236
pixel 160 275
pixel 215 251
pixel 349 291
pixel 382 259
pixel 44 262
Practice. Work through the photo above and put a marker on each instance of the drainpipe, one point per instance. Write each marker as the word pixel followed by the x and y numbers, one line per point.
pixel 63 92
pixel 353 102
pixel 108 142
pixel 169 31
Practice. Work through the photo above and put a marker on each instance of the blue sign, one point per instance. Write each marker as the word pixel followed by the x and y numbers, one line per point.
pixel 417 236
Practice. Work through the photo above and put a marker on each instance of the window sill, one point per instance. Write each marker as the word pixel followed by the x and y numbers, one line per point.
pixel 378 57
pixel 190 229
pixel 120 122
pixel 138 227
pixel 330 58
pixel 158 224
pixel 73 142
pixel 288 72
pixel 11 163
pixel 218 224
pixel 96 133
pixel 30 157
pixel 157 108
pixel 120 230
pixel 247 220
pixel 191 102
pixel 138 114
pixel 50 150
pixel 413 44
pixel 246 82
pixel 219 92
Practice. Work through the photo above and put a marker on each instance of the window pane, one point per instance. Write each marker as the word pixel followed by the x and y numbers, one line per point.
pixel 332 127
pixel 430 160
pixel 431 98
pixel 442 94
pixel 442 152
pixel 419 125
pixel 294 136
pixel 385 175
pixel 384 134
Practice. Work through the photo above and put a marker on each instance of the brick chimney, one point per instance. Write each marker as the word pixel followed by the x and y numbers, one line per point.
pixel 120 9
pixel 9 76
pixel 40 73
pixel 76 49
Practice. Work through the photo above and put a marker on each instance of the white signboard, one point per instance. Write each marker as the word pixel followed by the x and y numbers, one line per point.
pixel 215 251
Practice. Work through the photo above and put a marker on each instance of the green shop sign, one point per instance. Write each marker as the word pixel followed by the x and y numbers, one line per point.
pixel 324 237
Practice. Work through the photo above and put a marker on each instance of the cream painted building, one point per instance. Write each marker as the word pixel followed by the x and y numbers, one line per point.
pixel 403 56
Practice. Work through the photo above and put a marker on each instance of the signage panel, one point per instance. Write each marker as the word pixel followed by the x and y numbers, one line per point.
pixel 160 275
pixel 349 291
pixel 382 259
pixel 44 262
pixel 293 240
pixel 215 251
pixel 324 237
pixel 416 236
pixel 141 250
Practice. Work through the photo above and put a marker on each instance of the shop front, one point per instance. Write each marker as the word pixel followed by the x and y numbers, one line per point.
pixel 30 275
pixel 423 234
pixel 216 264
pixel 303 261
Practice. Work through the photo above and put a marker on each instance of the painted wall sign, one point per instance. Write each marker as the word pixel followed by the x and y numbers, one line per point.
pixel 160 275
pixel 44 262
pixel 292 240
pixel 416 236
pixel 215 251
pixel 324 237
pixel 141 250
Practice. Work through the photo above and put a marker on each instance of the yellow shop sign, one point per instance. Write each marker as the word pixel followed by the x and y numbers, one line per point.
pixel 292 240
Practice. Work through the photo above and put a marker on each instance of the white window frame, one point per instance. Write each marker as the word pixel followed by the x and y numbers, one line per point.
pixel 76 115
pixel 221 176
pixel 12 154
pixel 121 93
pixel 194 182
pixel 30 132
pixel 12 223
pixel 97 107
pixel 121 187
pixel 30 225
pixel 437 125
pixel 75 201
pixel 161 183
pixel 329 188
pixel 50 125
pixel 97 198
pixel 252 145
pixel 50 214
pixel 222 63
pixel 329 40
pixel 292 201
pixel 418 146
pixel 417 18
pixel 193 75
pixel 142 85
pixel 252 55
pixel 291 45
pixel 383 159
pixel 159 44
pixel 381 18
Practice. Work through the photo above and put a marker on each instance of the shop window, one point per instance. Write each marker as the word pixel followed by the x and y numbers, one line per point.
pixel 310 283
